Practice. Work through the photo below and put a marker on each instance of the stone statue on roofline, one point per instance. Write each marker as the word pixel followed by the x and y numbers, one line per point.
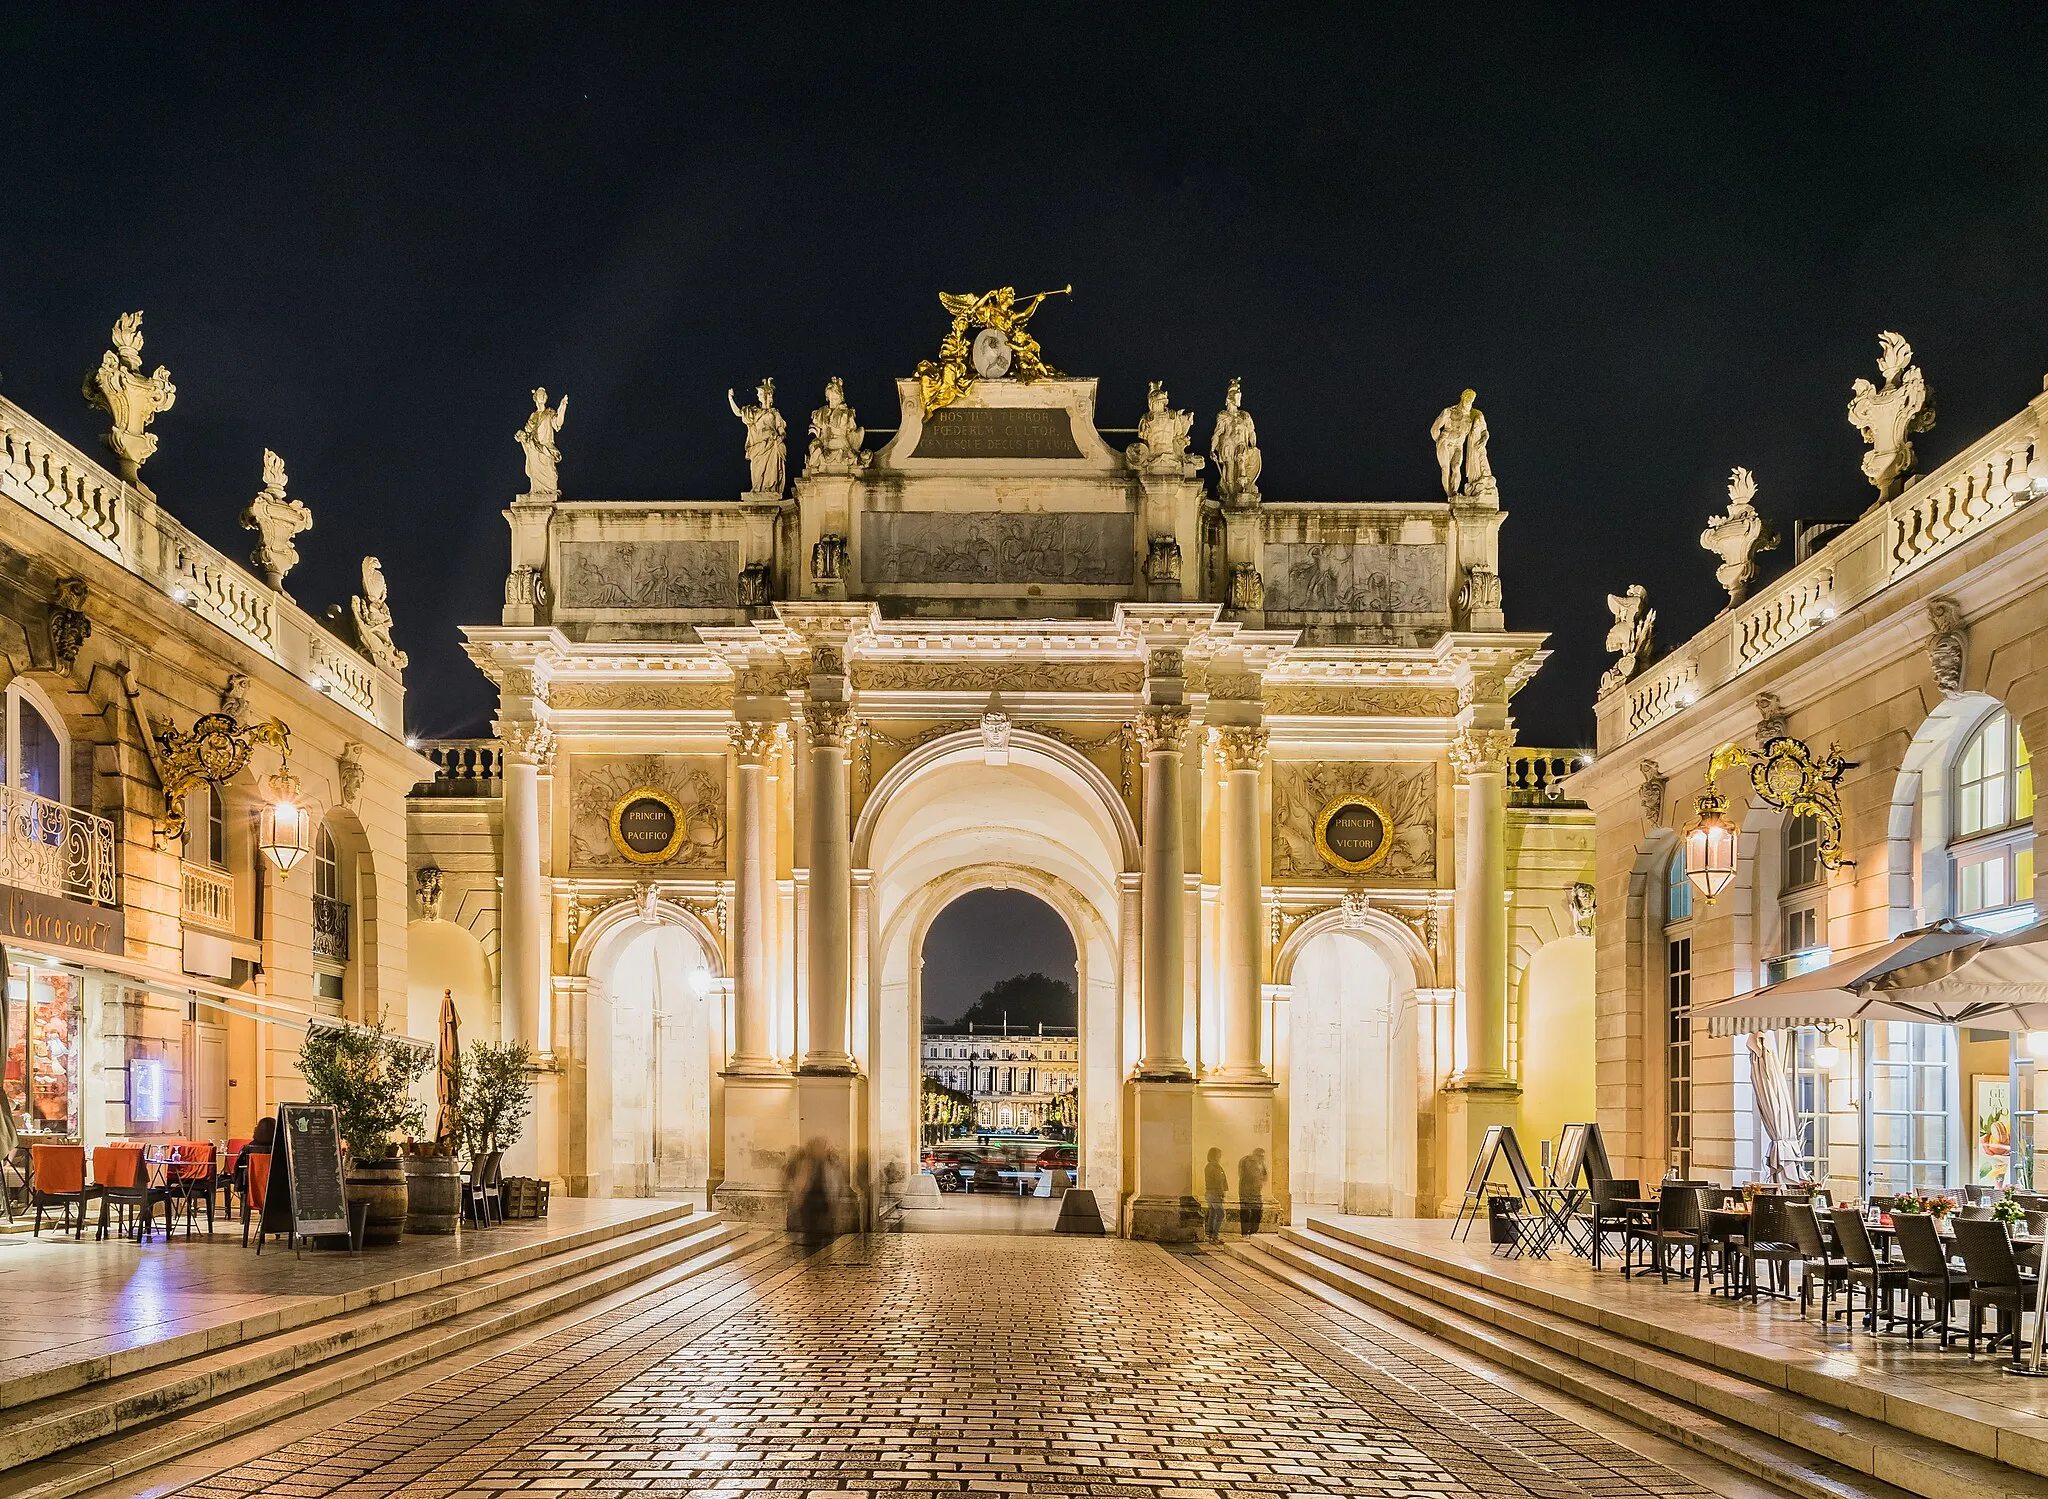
pixel 118 387
pixel 1234 449
pixel 767 456
pixel 537 439
pixel 836 435
pixel 1629 636
pixel 372 609
pixel 276 520
pixel 1162 445
pixel 1460 435
pixel 1738 536
pixel 1889 414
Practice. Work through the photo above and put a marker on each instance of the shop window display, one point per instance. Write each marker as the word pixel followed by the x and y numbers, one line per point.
pixel 44 1020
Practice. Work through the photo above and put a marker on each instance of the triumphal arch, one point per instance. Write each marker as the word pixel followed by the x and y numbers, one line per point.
pixel 1257 753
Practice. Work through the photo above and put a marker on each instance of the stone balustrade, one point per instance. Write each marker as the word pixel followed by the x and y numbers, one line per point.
pixel 463 767
pixel 206 896
pixel 1536 777
pixel 1964 497
pixel 45 475
pixel 53 849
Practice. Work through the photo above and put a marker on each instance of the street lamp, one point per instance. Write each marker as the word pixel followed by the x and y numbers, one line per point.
pixel 285 830
pixel 1710 845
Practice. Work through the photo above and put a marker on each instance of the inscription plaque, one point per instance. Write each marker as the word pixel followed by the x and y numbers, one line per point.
pixel 647 825
pixel 997 432
pixel 1354 833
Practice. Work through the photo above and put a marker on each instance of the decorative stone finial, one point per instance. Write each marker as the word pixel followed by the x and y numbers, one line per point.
pixel 372 609
pixel 836 436
pixel 1463 467
pixel 119 388
pixel 276 521
pixel 1738 536
pixel 767 453
pixel 1889 414
pixel 537 440
pixel 1629 636
pixel 1234 449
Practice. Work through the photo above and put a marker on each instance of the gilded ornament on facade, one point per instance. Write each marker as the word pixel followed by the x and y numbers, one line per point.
pixel 647 826
pixel 215 751
pixel 1788 775
pixel 1013 351
pixel 1354 833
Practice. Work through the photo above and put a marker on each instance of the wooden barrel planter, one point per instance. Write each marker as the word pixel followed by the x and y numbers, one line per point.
pixel 381 1184
pixel 433 1194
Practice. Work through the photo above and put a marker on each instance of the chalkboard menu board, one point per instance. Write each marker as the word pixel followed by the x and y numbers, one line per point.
pixel 305 1197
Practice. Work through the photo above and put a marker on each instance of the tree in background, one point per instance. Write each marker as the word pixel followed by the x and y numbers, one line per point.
pixel 1062 1115
pixel 1029 1000
pixel 946 1110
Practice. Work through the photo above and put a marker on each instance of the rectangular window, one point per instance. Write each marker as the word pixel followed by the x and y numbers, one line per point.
pixel 1678 1052
pixel 1806 1153
pixel 1994 876
pixel 1908 1076
pixel 1802 852
pixel 216 830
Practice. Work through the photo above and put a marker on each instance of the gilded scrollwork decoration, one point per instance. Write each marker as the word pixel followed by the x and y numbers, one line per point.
pixel 214 751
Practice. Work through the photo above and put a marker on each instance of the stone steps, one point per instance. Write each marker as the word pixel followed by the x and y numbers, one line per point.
pixel 65 1443
pixel 1789 1439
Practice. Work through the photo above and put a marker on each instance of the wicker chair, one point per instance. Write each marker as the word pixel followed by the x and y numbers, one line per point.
pixel 1995 1281
pixel 1769 1241
pixel 1677 1226
pixel 1880 1279
pixel 1830 1268
pixel 1604 1218
pixel 1928 1273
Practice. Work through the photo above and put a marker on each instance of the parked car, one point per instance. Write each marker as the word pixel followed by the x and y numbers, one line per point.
pixel 1058 1158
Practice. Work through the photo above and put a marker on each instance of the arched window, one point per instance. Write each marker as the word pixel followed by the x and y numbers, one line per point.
pixel 1991 846
pixel 330 920
pixel 1678 1016
pixel 32 750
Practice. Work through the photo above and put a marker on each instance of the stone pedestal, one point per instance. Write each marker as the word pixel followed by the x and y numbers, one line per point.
pixel 828 1109
pixel 1237 1119
pixel 760 1137
pixel 1469 1110
pixel 1163 1205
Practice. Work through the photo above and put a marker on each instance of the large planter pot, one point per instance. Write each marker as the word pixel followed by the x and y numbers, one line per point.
pixel 433 1194
pixel 381 1184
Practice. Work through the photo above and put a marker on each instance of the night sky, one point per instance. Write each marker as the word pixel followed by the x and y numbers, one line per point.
pixel 986 936
pixel 1659 244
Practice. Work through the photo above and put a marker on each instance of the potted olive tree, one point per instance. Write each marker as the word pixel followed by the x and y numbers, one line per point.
pixel 497 1095
pixel 367 1073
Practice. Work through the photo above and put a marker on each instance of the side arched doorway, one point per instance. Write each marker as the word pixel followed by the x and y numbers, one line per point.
pixel 650 1030
pixel 947 820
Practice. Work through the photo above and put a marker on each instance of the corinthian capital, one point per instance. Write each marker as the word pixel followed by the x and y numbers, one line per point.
pixel 1240 746
pixel 755 740
pixel 1479 751
pixel 1162 726
pixel 528 742
pixel 830 724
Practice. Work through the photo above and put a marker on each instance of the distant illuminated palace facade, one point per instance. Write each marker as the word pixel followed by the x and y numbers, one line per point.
pixel 1257 753
pixel 1015 1079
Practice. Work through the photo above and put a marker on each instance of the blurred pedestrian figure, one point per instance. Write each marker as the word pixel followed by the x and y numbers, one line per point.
pixel 815 1180
pixel 1251 1190
pixel 1215 1184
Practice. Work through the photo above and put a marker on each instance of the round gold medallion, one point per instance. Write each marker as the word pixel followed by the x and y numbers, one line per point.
pixel 647 826
pixel 1354 833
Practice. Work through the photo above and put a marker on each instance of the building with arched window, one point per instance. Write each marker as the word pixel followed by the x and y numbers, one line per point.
pixel 158 981
pixel 1908 640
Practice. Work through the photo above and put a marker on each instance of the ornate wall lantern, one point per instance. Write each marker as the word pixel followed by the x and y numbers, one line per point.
pixel 214 752
pixel 1785 774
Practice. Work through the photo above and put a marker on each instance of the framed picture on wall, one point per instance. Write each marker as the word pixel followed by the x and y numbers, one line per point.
pixel 1990 1129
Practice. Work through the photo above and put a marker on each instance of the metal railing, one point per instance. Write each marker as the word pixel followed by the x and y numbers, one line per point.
pixel 463 767
pixel 53 849
pixel 207 896
pixel 330 928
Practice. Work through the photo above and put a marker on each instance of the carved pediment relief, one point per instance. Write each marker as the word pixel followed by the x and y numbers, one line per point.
pixel 1405 789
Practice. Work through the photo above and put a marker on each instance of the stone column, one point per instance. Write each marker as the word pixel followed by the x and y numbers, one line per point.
pixel 523 968
pixel 831 888
pixel 1480 757
pixel 1243 749
pixel 754 742
pixel 1163 920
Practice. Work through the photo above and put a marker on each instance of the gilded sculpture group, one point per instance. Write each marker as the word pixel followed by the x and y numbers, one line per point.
pixel 1887 415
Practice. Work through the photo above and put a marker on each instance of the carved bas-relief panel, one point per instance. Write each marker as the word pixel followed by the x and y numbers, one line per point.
pixel 1406 791
pixel 696 783
pixel 650 575
pixel 1077 548
pixel 1312 576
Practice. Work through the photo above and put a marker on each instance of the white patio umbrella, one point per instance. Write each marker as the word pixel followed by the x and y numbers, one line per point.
pixel 1852 989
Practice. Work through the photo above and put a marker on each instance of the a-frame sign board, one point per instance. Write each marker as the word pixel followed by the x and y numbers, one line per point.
pixel 1580 1151
pixel 1497 1148
pixel 304 1199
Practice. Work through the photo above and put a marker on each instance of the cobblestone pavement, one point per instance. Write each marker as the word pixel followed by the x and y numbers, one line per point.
pixel 964 1365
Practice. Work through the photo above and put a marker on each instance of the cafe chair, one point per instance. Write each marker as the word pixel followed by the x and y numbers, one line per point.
pixel 57 1179
pixel 1604 1218
pixel 1996 1281
pixel 14 1174
pixel 2037 1223
pixel 117 1172
pixel 483 1192
pixel 1976 1212
pixel 1928 1273
pixel 253 1198
pixel 1768 1242
pixel 1817 1261
pixel 1880 1279
pixel 196 1178
pixel 1676 1227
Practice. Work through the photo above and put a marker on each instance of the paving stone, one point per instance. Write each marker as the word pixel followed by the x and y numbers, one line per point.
pixel 940 1365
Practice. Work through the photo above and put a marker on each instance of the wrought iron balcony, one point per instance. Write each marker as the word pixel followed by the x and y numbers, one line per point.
pixel 330 929
pixel 53 849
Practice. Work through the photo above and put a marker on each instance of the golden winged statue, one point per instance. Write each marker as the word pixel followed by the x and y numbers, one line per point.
pixel 944 380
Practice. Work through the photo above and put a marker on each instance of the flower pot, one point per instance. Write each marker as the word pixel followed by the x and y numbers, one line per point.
pixel 433 1194
pixel 381 1184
